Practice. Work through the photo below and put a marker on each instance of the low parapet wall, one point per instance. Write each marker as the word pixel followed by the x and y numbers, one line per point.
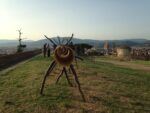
pixel 9 60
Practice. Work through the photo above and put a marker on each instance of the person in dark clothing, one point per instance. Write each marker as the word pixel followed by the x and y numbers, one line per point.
pixel 45 49
pixel 48 51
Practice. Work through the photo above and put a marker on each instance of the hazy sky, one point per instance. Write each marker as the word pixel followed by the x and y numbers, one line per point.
pixel 96 19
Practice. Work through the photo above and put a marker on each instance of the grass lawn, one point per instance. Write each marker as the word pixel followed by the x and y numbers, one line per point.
pixel 108 88
pixel 147 63
pixel 113 58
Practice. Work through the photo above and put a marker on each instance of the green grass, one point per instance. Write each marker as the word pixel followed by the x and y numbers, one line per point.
pixel 19 89
pixel 113 58
pixel 108 88
pixel 147 63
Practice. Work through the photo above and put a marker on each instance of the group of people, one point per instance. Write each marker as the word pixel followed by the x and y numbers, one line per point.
pixel 46 50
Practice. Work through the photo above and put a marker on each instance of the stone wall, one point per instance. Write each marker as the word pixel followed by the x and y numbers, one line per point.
pixel 9 60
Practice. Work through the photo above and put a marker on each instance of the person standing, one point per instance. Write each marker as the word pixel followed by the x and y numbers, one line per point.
pixel 44 49
pixel 48 51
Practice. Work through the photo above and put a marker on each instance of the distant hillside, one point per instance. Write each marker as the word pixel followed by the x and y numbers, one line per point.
pixel 12 43
pixel 97 43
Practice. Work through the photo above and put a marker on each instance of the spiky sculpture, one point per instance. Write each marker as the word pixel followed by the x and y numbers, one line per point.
pixel 63 55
